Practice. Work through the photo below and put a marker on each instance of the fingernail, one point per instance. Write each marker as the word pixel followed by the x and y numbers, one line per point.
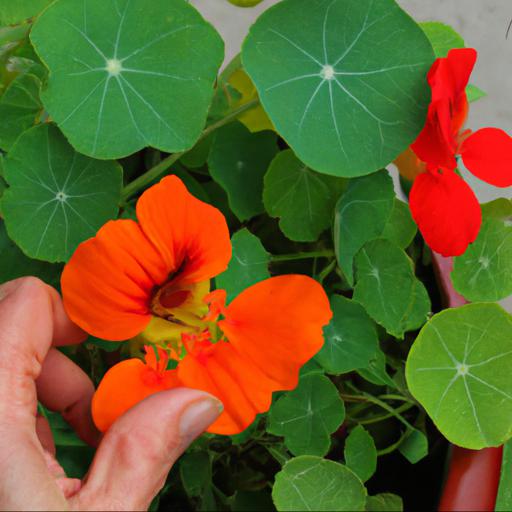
pixel 198 416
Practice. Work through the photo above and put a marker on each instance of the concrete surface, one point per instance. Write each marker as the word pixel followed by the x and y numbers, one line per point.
pixel 482 23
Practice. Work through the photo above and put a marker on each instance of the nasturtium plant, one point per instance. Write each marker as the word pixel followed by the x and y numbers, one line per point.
pixel 307 416
pixel 351 340
pixel 322 91
pixel 459 370
pixel 56 197
pixel 123 77
pixel 239 230
pixel 238 161
pixel 302 198
pixel 313 483
pixel 362 214
pixel 388 289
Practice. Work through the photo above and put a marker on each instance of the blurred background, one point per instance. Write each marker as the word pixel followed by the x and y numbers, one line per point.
pixel 482 23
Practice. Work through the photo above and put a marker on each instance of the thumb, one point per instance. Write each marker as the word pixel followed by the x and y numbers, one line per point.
pixel 137 452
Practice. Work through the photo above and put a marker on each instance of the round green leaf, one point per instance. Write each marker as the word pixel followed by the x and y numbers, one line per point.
pixel 400 227
pixel 15 264
pixel 19 107
pixel 351 340
pixel 361 215
pixel 244 3
pixel 56 197
pixel 303 199
pixel 384 502
pixel 126 74
pixel 313 483
pixel 388 289
pixel 308 415
pixel 249 264
pixel 342 81
pixel 459 370
pixel 484 271
pixel 15 11
pixel 360 453
pixel 238 161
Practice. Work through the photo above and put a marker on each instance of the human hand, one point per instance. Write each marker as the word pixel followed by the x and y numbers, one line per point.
pixel 134 456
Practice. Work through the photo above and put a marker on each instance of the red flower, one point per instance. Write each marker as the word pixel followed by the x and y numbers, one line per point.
pixel 442 204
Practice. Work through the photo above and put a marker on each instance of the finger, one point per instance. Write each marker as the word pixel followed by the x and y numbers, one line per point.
pixel 64 387
pixel 137 452
pixel 44 433
pixel 65 332
pixel 26 333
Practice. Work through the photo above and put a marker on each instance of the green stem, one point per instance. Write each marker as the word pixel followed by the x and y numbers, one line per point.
pixel 383 417
pixel 326 271
pixel 152 174
pixel 391 448
pixel 325 253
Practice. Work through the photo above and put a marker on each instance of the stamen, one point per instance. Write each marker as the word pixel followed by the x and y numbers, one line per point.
pixel 216 301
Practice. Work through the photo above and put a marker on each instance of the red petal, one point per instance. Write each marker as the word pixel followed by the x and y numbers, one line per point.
pixel 487 153
pixel 446 211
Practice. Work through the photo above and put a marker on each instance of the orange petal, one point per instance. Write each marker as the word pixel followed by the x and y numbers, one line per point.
pixel 223 372
pixel 409 165
pixel 278 325
pixel 125 385
pixel 108 281
pixel 186 231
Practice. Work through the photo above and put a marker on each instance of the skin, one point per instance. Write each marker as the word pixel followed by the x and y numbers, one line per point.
pixel 135 455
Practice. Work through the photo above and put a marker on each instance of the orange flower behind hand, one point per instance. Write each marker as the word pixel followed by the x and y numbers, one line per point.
pixel 151 280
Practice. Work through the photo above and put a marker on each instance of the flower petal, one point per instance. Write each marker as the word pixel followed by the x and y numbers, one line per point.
pixel 125 385
pixel 446 211
pixel 487 153
pixel 192 236
pixel 108 281
pixel 437 143
pixel 409 165
pixel 223 372
pixel 278 325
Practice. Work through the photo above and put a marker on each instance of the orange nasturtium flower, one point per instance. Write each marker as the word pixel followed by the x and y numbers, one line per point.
pixel 151 280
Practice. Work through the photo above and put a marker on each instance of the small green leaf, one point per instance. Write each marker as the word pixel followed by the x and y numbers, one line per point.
pixel 308 415
pixel 15 11
pixel 196 473
pixel 303 199
pixel 245 3
pixel 351 340
pixel 252 501
pixel 126 74
pixel 19 107
pixel 56 197
pixel 504 498
pixel 484 271
pixel 361 215
pixel 238 161
pixel 500 208
pixel 414 447
pixel 400 228
pixel 360 453
pixel 15 264
pixel 385 502
pixel 459 370
pixel 248 265
pixel 313 483
pixel 442 37
pixel 342 81
pixel 474 93
pixel 376 372
pixel 388 289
